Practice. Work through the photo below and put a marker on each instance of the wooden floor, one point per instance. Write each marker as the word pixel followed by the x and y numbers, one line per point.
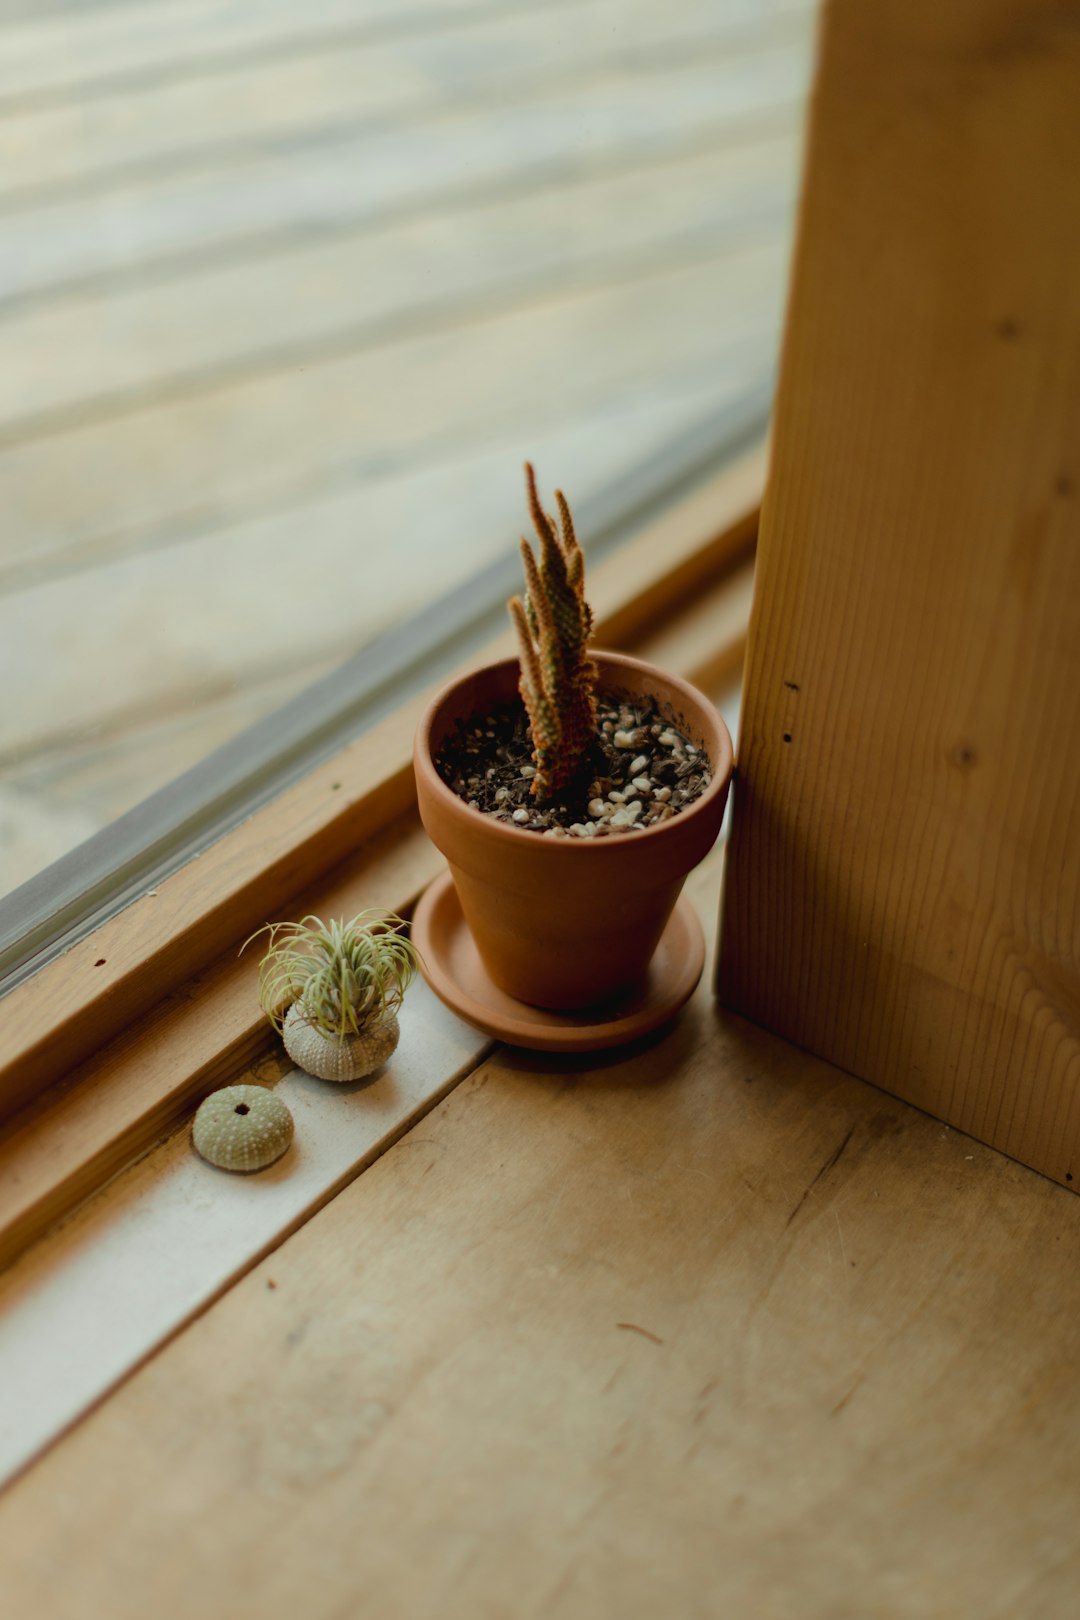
pixel 707 1330
pixel 288 293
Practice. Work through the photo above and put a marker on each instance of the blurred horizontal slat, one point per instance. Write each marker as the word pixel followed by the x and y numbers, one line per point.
pixel 399 168
pixel 77 52
pixel 111 355
pixel 287 295
pixel 184 607
pixel 267 102
pixel 185 626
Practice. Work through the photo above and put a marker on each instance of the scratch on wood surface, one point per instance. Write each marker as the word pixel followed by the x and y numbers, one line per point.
pixel 825 1168
pixel 632 1327
pixel 842 1402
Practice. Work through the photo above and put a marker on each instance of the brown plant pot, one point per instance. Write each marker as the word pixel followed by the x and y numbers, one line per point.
pixel 565 922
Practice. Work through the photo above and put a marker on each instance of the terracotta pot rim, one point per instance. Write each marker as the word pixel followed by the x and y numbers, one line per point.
pixel 575 848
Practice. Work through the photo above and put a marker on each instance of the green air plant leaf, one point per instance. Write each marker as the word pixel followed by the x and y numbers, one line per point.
pixel 345 974
pixel 553 624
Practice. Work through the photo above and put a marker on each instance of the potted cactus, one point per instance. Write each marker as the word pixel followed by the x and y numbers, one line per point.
pixel 332 990
pixel 571 791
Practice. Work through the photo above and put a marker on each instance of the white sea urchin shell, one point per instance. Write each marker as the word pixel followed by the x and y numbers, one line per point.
pixel 242 1128
pixel 350 1059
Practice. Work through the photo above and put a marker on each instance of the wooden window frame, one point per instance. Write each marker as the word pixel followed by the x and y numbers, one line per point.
pixel 156 1008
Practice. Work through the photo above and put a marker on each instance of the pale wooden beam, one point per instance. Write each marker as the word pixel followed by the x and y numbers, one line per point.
pixel 904 887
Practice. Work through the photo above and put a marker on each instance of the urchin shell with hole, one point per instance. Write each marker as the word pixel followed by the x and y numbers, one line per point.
pixel 242 1128
pixel 350 1059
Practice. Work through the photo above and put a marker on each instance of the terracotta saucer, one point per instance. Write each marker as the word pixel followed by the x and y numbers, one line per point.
pixel 453 969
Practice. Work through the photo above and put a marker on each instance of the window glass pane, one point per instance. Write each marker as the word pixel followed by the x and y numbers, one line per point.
pixel 287 295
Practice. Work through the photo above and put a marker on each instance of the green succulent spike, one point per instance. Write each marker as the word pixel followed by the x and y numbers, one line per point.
pixel 553 623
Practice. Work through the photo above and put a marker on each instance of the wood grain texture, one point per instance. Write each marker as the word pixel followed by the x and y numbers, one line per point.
pixel 709 1329
pixel 904 892
pixel 192 1027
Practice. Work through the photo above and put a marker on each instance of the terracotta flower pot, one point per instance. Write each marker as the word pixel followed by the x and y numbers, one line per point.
pixel 565 922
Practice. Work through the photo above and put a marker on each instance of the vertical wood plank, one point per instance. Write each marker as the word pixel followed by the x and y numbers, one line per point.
pixel 903 894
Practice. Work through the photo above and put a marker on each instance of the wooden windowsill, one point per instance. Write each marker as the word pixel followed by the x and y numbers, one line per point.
pixel 172 1012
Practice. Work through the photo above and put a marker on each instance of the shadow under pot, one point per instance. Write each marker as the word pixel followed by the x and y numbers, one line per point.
pixel 562 923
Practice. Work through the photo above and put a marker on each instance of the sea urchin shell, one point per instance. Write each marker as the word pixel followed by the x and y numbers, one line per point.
pixel 242 1128
pixel 350 1059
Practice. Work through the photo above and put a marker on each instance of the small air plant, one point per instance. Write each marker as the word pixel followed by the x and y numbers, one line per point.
pixel 332 990
pixel 553 624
